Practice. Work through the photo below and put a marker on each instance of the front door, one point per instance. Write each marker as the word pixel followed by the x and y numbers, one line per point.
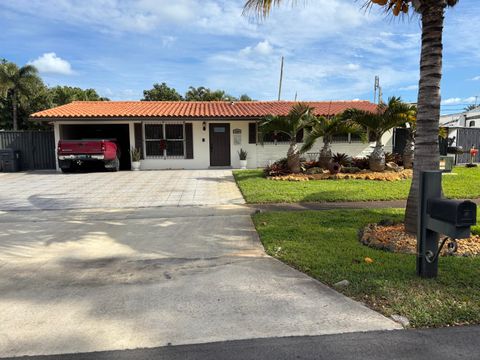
pixel 219 144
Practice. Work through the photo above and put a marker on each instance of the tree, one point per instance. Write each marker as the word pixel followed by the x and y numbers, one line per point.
pixel 205 94
pixel 385 118
pixel 161 92
pixel 16 84
pixel 432 14
pixel 62 95
pixel 411 126
pixel 326 128
pixel 300 117
pixel 245 97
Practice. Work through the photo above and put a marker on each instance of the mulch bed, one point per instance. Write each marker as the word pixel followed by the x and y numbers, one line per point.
pixel 363 175
pixel 392 237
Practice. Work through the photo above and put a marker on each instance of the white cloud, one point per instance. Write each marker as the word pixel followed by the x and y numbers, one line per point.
pixel 264 48
pixel 52 64
pixel 458 100
pixel 476 78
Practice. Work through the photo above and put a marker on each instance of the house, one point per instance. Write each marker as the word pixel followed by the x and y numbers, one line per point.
pixel 463 131
pixel 192 135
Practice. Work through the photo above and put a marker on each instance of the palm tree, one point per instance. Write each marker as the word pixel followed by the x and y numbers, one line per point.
pixel 411 126
pixel 385 118
pixel 16 82
pixel 300 117
pixel 326 128
pixel 432 14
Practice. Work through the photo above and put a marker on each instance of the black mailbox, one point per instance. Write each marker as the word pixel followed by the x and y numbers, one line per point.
pixel 457 213
pixel 438 216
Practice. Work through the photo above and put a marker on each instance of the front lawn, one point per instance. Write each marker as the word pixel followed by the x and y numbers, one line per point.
pixel 324 244
pixel 257 189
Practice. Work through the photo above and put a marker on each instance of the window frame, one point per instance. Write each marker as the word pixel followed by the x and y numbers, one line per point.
pixel 165 155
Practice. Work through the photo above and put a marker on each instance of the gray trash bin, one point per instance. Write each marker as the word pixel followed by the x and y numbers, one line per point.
pixel 9 160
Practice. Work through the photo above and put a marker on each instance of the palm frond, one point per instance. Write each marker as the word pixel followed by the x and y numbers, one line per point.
pixel 328 127
pixel 259 7
pixel 299 117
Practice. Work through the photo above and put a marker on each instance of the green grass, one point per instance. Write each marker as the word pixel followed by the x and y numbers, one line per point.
pixel 257 189
pixel 324 244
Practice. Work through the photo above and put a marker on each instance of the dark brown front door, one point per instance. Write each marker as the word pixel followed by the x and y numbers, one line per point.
pixel 219 144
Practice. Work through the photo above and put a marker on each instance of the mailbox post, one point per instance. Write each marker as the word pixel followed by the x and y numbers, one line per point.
pixel 437 216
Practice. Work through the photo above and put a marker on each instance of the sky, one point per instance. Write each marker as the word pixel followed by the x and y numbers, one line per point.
pixel 332 48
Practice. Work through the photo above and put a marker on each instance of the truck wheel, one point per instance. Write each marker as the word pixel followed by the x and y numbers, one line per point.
pixel 117 164
pixel 114 165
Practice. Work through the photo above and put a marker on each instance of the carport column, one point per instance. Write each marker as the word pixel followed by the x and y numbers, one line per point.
pixel 131 135
pixel 56 133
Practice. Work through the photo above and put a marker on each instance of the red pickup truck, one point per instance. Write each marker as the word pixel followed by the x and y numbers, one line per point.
pixel 73 154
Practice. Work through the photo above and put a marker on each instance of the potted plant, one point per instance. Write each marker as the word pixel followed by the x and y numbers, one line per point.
pixel 242 154
pixel 136 157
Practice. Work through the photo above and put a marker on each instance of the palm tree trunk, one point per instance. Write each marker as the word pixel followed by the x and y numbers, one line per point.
pixel 377 157
pixel 293 158
pixel 427 154
pixel 325 154
pixel 14 110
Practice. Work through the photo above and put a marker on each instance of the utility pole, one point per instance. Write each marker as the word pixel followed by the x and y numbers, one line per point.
pixel 281 79
pixel 295 96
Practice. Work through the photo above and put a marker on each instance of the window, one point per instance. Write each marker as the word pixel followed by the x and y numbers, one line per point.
pixel 165 140
pixel 472 123
pixel 274 137
pixel 343 138
pixel 154 143
pixel 347 138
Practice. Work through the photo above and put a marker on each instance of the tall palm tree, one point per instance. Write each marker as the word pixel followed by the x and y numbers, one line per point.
pixel 16 82
pixel 386 117
pixel 426 153
pixel 326 128
pixel 432 14
pixel 300 117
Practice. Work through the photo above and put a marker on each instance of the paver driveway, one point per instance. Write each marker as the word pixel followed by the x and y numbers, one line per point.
pixel 84 280
pixel 125 189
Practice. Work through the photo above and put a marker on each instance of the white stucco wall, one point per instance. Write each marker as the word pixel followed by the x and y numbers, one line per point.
pixel 269 153
pixel 258 155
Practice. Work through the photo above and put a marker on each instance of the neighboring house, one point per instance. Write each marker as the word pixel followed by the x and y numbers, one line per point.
pixel 463 131
pixel 466 119
pixel 193 135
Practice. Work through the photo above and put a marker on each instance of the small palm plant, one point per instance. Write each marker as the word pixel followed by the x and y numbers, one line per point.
pixel 411 125
pixel 386 117
pixel 242 154
pixel 326 128
pixel 300 117
pixel 136 154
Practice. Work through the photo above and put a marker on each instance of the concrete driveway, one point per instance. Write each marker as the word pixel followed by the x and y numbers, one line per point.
pixel 124 189
pixel 110 279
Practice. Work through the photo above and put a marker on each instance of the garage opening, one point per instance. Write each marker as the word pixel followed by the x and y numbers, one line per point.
pixel 119 132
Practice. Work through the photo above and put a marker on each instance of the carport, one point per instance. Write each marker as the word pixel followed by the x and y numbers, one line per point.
pixel 118 132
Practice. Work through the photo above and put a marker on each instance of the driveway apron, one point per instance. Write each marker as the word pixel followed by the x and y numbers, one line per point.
pixel 82 279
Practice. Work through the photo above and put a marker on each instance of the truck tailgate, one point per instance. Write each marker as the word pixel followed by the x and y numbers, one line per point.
pixel 67 147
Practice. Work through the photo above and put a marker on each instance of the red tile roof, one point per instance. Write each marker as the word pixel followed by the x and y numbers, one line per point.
pixel 190 109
